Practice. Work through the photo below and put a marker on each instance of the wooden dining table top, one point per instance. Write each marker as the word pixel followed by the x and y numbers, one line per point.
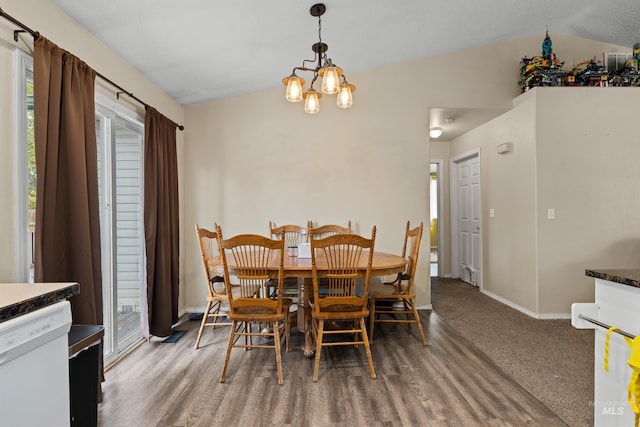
pixel 383 264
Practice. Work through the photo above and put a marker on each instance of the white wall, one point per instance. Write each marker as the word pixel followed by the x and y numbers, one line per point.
pixel 508 187
pixel 257 158
pixel 251 163
pixel 588 147
pixel 575 151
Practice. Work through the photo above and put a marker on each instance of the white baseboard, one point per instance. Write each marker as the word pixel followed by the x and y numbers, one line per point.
pixel 552 316
pixel 543 316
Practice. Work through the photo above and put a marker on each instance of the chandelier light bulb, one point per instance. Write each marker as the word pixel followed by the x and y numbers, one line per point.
pixel 345 99
pixel 312 101
pixel 330 83
pixel 294 89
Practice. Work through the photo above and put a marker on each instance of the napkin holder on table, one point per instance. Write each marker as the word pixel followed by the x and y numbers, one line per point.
pixel 304 250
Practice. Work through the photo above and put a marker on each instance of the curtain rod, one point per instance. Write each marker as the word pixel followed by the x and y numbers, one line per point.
pixel 36 34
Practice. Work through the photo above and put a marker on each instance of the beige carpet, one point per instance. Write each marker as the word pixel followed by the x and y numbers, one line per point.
pixel 549 358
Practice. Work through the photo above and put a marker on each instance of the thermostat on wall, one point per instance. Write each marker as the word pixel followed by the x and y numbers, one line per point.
pixel 507 147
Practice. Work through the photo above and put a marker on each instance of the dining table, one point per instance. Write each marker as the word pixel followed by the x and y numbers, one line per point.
pixel 383 264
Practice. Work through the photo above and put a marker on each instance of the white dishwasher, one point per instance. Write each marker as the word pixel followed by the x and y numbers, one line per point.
pixel 34 368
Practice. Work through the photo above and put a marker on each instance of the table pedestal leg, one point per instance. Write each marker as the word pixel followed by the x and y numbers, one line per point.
pixel 305 292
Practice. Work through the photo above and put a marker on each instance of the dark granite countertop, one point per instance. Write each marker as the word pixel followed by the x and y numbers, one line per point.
pixel 630 277
pixel 82 336
pixel 17 299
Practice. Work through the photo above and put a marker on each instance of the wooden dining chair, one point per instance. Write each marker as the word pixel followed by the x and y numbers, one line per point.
pixel 397 298
pixel 250 259
pixel 216 289
pixel 327 230
pixel 293 236
pixel 345 302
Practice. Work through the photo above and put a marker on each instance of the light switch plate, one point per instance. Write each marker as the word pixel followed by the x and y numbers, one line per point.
pixel 551 213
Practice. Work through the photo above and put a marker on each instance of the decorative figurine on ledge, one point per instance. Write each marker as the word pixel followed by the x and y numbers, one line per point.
pixel 630 74
pixel 594 74
pixel 544 70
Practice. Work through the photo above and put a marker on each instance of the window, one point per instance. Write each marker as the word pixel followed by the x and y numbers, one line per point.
pixel 615 61
pixel 26 168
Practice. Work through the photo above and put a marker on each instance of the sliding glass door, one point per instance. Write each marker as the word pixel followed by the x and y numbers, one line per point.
pixel 120 161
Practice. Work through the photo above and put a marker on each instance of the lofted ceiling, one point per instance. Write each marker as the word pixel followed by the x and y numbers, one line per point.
pixel 203 50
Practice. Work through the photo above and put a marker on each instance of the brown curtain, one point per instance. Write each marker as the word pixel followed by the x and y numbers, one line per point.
pixel 161 221
pixel 67 233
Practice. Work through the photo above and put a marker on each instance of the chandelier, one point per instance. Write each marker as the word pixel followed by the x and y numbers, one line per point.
pixel 327 70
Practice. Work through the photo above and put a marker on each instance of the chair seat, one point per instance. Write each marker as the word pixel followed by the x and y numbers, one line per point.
pixel 223 296
pixel 336 308
pixel 261 313
pixel 216 298
pixel 338 315
pixel 387 290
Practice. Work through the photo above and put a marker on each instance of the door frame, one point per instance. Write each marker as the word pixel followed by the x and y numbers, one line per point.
pixel 441 225
pixel 453 210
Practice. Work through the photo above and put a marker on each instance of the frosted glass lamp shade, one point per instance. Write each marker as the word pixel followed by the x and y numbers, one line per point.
pixel 330 79
pixel 294 88
pixel 312 101
pixel 345 97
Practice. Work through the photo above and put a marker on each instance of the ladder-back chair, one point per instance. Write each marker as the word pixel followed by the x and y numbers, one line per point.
pixel 327 230
pixel 344 298
pixel 398 297
pixel 216 289
pixel 293 236
pixel 252 260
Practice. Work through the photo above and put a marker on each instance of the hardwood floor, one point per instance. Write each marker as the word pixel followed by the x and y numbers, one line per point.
pixel 449 382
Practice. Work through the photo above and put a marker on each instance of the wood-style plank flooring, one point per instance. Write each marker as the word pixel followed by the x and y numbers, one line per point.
pixel 447 383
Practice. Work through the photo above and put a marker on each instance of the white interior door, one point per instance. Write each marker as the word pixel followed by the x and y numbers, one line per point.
pixel 468 218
